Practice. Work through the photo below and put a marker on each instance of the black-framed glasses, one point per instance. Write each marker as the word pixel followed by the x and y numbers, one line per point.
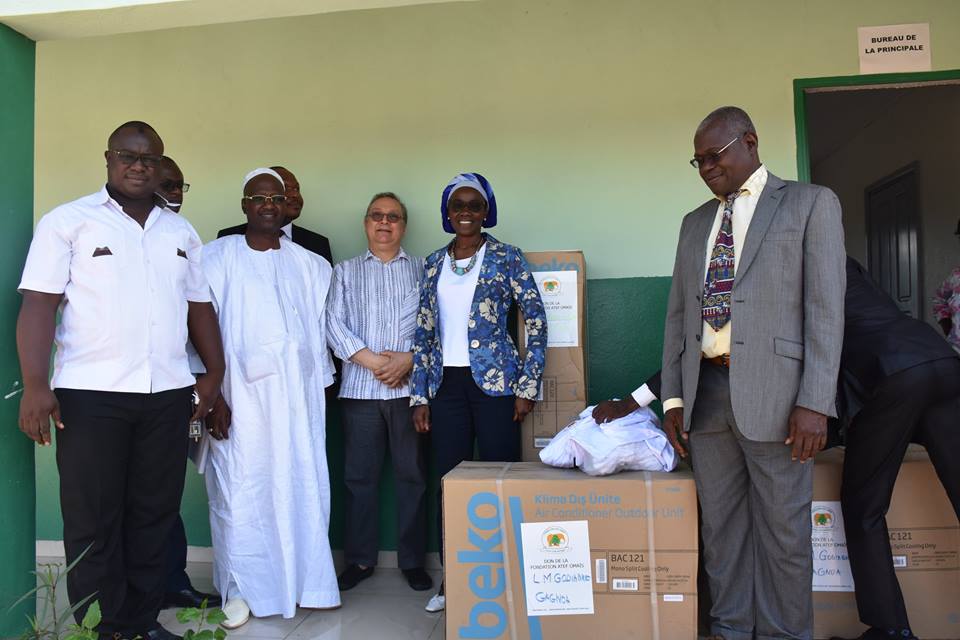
pixel 170 185
pixel 714 156
pixel 473 206
pixel 131 157
pixel 379 216
pixel 262 200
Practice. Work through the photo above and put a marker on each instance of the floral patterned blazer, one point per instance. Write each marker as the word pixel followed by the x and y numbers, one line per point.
pixel 494 360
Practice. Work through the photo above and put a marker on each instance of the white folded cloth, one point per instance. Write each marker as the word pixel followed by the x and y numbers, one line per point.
pixel 634 442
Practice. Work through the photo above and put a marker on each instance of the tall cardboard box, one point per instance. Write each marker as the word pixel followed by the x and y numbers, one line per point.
pixel 561 278
pixel 638 544
pixel 924 538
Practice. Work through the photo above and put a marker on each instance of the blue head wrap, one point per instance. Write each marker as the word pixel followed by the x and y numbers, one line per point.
pixel 474 181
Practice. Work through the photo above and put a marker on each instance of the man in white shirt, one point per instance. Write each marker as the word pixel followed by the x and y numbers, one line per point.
pixel 125 275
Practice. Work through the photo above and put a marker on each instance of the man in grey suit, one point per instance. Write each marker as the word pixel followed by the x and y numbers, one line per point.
pixel 752 345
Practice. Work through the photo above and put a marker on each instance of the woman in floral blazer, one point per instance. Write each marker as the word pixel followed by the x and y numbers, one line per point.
pixel 469 386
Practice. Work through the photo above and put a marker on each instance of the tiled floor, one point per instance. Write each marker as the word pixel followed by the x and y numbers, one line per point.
pixel 381 607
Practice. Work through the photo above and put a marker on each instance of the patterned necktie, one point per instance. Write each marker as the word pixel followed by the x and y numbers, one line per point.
pixel 719 280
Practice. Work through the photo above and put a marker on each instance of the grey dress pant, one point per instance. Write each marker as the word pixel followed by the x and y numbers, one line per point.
pixel 755 505
pixel 370 429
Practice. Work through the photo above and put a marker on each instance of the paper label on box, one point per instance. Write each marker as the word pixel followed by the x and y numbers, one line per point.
pixel 557 568
pixel 558 289
pixel 601 572
pixel 925 548
pixel 626 584
pixel 831 565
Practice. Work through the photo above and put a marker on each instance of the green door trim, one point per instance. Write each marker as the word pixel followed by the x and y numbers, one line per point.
pixel 801 85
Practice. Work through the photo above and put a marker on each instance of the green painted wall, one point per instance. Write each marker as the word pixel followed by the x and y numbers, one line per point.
pixel 580 113
pixel 16 225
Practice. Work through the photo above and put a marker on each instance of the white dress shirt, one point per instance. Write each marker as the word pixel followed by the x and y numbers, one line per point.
pixel 717 343
pixel 125 292
pixel 455 297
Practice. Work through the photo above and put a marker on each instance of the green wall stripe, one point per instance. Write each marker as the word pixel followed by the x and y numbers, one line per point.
pixel 16 225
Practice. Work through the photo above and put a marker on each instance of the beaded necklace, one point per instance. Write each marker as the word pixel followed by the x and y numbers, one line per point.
pixel 462 271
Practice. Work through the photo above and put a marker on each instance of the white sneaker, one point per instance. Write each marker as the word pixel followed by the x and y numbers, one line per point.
pixel 437 603
pixel 237 613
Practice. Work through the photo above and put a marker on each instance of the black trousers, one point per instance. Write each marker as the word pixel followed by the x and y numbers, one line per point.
pixel 122 459
pixel 177 578
pixel 370 427
pixel 463 416
pixel 917 405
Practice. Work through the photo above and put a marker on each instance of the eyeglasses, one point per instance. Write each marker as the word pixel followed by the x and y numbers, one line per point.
pixel 713 157
pixel 392 218
pixel 130 158
pixel 262 200
pixel 170 185
pixel 473 206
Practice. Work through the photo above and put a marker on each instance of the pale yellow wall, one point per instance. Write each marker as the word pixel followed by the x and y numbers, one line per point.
pixel 580 112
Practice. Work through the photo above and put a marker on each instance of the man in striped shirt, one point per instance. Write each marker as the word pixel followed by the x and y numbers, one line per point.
pixel 371 315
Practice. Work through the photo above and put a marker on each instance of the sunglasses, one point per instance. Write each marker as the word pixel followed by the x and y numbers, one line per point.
pixel 473 206
pixel 392 218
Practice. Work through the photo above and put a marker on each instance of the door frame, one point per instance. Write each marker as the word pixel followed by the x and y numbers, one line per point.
pixel 803 86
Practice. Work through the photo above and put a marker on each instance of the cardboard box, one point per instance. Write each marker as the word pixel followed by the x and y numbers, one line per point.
pixel 561 277
pixel 924 538
pixel 513 532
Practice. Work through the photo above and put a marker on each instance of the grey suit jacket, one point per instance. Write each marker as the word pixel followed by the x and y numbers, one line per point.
pixel 786 309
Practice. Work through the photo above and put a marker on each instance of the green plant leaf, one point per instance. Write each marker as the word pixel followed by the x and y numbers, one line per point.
pixel 189 614
pixel 220 633
pixel 92 618
pixel 206 634
pixel 76 560
pixel 23 597
pixel 188 634
pixel 62 620
pixel 216 616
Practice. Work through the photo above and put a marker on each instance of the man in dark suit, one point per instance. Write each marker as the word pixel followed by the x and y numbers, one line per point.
pixel 307 239
pixel 899 383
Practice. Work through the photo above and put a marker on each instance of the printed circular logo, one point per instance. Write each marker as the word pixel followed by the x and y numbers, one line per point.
pixel 550 286
pixel 554 539
pixel 823 518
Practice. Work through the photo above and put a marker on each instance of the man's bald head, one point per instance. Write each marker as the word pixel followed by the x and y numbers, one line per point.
pixel 133 126
pixel 133 158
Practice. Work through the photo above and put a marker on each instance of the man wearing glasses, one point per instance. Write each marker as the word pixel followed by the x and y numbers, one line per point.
pixel 179 592
pixel 752 343
pixel 371 319
pixel 266 466
pixel 309 240
pixel 126 276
